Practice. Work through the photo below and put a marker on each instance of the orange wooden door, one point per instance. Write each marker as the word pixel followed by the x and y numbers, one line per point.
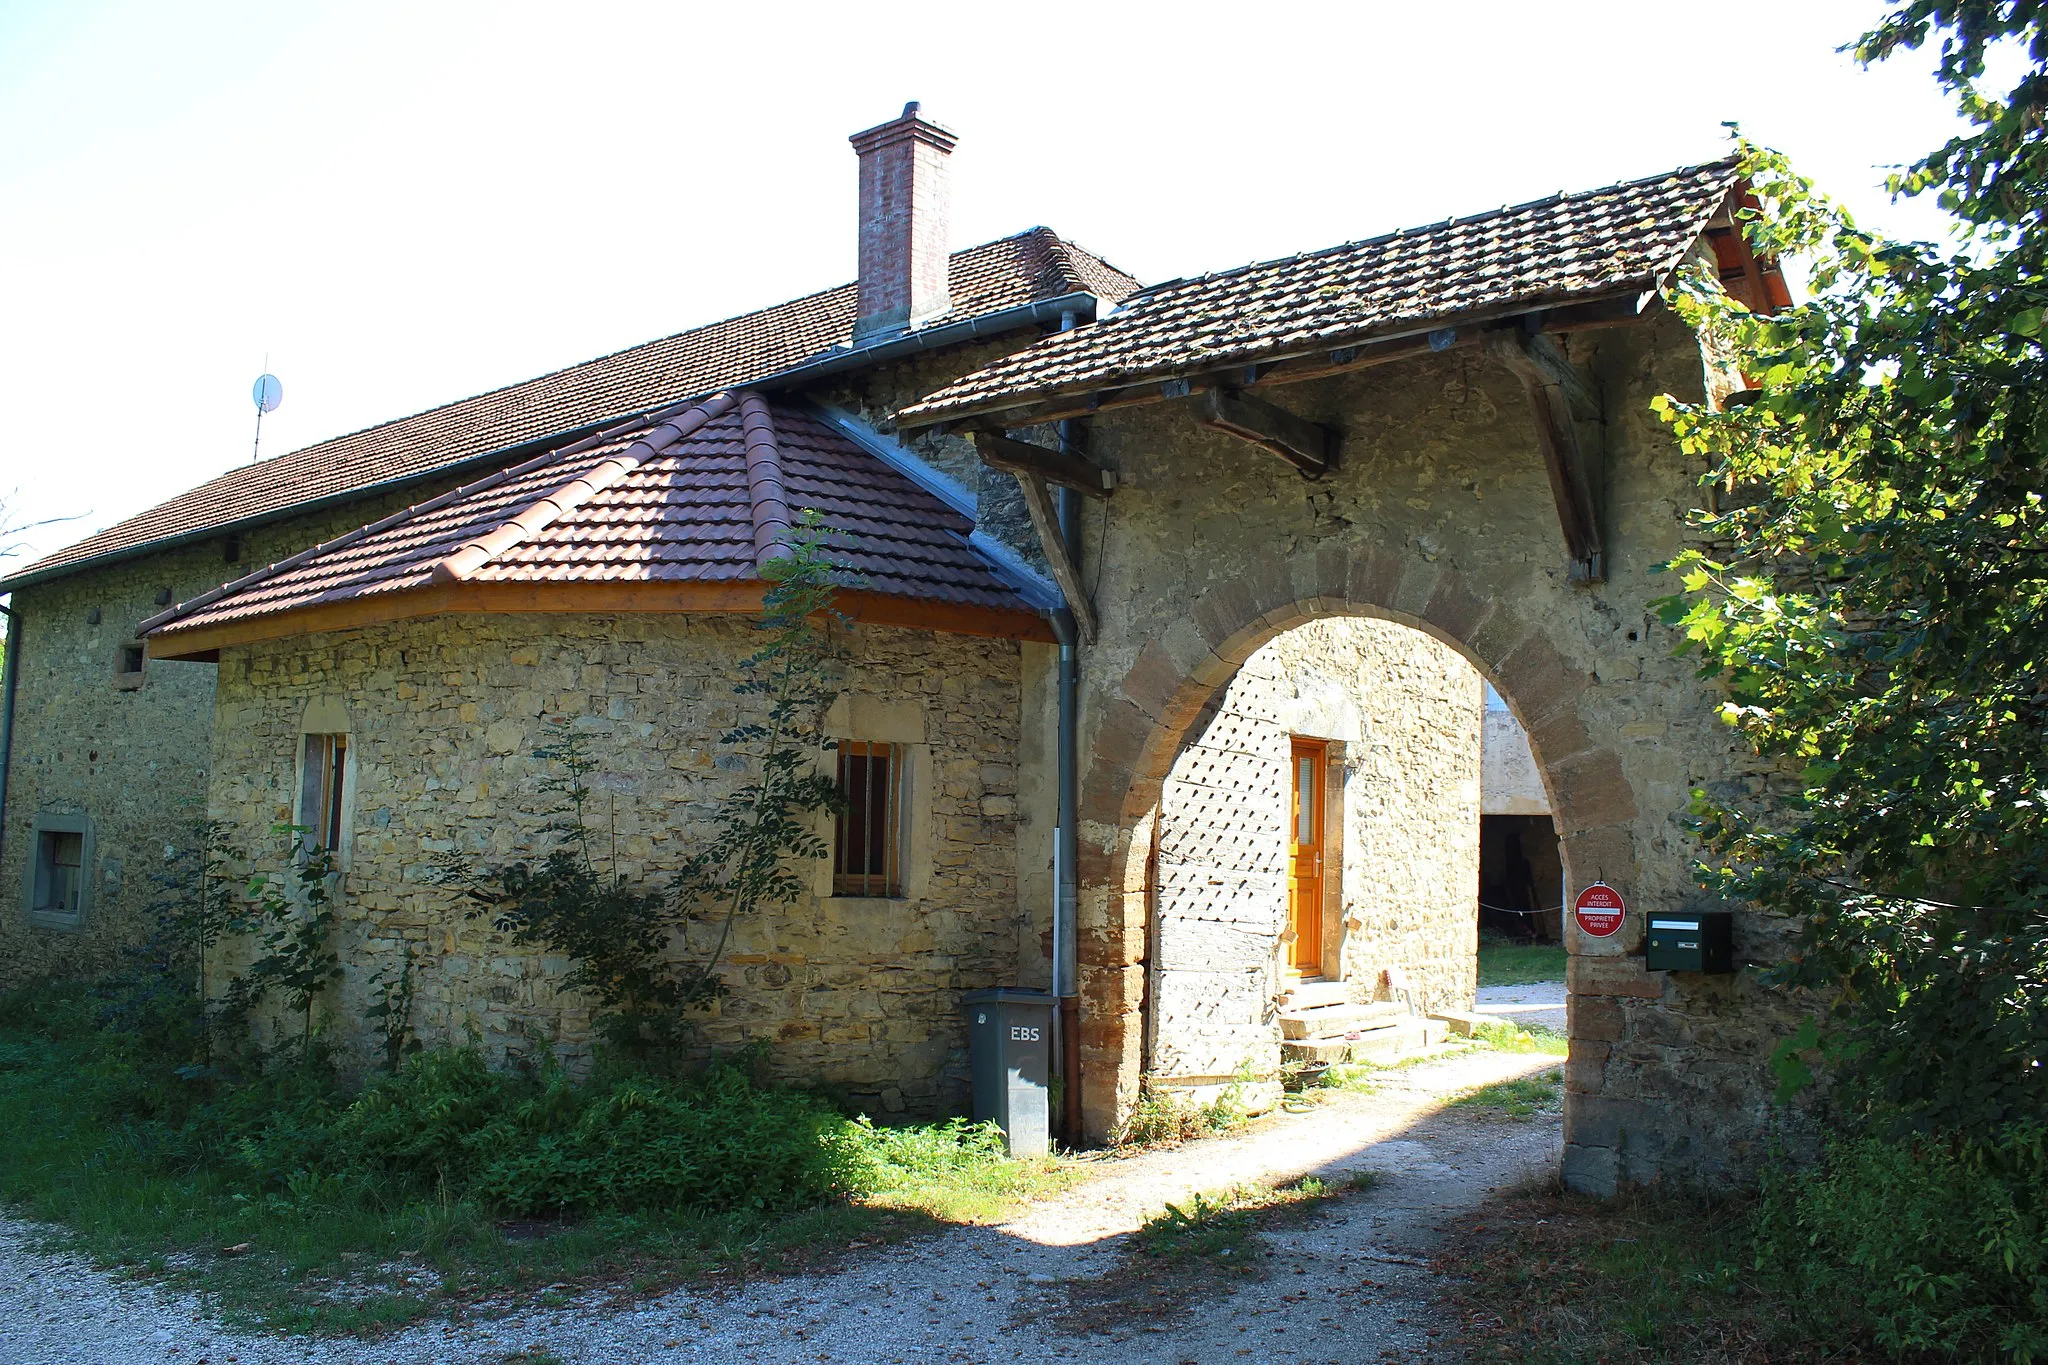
pixel 1305 859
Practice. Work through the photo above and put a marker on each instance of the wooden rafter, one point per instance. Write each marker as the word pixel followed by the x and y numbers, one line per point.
pixel 1296 368
pixel 1308 446
pixel 1045 521
pixel 1561 401
pixel 1062 467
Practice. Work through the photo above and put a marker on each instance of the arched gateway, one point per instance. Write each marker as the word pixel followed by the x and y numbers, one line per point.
pixel 1493 476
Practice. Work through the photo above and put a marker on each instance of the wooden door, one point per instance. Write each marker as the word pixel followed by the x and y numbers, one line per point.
pixel 1305 859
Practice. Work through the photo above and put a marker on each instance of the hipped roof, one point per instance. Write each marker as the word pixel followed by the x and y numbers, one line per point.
pixel 1033 267
pixel 677 511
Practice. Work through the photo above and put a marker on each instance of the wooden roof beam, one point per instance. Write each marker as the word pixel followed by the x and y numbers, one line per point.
pixel 1560 401
pixel 1294 369
pixel 1045 521
pixel 1062 467
pixel 1309 446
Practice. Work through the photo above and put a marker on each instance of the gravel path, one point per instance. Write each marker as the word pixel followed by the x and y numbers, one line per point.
pixel 1348 1284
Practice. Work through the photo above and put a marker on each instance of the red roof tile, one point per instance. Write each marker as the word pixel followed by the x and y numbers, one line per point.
pixel 701 492
pixel 1032 267
pixel 1567 248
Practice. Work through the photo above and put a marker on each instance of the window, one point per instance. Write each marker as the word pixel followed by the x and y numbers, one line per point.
pixel 321 796
pixel 58 873
pixel 129 660
pixel 60 867
pixel 867 857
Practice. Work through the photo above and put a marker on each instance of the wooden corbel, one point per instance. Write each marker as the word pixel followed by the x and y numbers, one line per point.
pixel 1062 467
pixel 1568 417
pixel 1046 522
pixel 1308 446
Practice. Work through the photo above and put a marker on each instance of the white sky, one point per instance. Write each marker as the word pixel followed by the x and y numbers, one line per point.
pixel 403 204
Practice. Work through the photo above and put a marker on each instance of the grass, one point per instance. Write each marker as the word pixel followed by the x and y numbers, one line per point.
pixel 1554 1279
pixel 332 1254
pixel 1520 1097
pixel 1206 1244
pixel 1508 1037
pixel 1503 963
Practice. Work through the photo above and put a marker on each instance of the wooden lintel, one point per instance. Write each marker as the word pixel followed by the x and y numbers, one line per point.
pixel 1565 456
pixel 1046 522
pixel 1062 467
pixel 1308 446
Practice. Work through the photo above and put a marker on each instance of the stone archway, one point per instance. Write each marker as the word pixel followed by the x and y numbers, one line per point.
pixel 1141 727
pixel 1442 514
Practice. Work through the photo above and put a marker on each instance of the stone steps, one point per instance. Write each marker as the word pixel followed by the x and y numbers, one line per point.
pixel 1379 1045
pixel 1308 995
pixel 1328 1021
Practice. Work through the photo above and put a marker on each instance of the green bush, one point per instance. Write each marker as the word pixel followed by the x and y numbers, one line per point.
pixel 1935 1247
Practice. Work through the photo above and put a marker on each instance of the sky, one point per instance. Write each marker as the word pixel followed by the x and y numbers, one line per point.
pixel 398 205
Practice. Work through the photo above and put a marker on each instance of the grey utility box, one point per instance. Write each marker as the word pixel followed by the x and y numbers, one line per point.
pixel 1009 1040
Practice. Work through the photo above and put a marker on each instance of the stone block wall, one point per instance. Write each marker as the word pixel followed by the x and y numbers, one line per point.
pixel 1402 817
pixel 858 994
pixel 133 760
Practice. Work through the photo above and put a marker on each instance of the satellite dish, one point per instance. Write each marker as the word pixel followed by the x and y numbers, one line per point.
pixel 268 393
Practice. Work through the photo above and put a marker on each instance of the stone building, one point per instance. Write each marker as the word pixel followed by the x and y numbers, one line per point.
pixel 1215 778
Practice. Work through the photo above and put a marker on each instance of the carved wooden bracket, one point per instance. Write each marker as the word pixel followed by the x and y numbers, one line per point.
pixel 1560 401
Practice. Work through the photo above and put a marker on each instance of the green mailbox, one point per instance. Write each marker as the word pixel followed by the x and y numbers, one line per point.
pixel 1691 942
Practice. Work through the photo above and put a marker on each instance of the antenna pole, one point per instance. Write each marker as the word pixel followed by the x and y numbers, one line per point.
pixel 257 449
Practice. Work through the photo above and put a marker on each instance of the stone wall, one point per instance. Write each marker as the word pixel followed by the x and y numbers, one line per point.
pixel 1440 516
pixel 858 994
pixel 133 760
pixel 1510 782
pixel 1402 821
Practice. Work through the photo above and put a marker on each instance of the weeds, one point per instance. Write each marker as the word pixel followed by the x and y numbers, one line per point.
pixel 1509 1037
pixel 298 1205
pixel 1520 1097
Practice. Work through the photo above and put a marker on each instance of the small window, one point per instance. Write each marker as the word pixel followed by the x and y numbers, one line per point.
pixel 57 875
pixel 60 872
pixel 320 801
pixel 867 857
pixel 129 661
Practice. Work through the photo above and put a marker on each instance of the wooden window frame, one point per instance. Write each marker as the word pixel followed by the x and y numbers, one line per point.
pixel 323 792
pixel 854 859
pixel 40 911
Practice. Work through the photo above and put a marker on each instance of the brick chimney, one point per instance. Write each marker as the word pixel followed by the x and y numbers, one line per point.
pixel 903 246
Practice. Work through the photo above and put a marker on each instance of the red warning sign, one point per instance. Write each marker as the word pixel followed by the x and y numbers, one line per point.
pixel 1599 910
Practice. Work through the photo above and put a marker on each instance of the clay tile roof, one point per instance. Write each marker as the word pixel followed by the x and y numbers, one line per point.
pixel 1568 248
pixel 701 492
pixel 1035 266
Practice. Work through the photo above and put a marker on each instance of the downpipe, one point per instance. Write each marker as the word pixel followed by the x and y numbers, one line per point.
pixel 1066 935
pixel 8 672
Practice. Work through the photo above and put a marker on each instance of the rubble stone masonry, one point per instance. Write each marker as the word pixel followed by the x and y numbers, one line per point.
pixel 444 714
pixel 1402 712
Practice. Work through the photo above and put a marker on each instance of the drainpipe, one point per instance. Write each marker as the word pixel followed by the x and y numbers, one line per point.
pixel 1066 836
pixel 8 672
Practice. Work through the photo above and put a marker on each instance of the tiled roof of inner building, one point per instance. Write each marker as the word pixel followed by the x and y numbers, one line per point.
pixel 703 492
pixel 1032 267
pixel 1567 248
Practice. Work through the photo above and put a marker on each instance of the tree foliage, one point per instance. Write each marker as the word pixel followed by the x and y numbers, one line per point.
pixel 1874 596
